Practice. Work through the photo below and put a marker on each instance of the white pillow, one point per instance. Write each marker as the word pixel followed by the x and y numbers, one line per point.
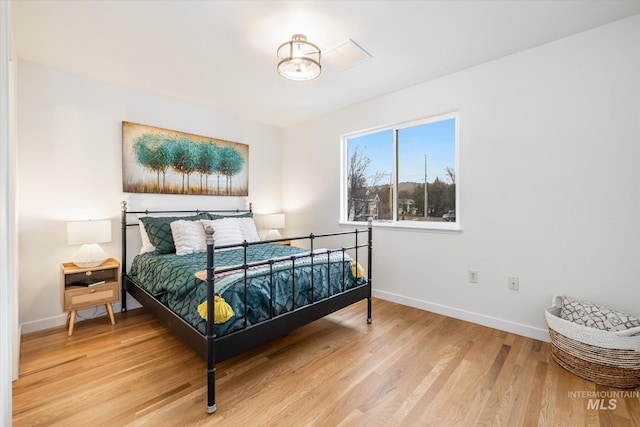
pixel 227 230
pixel 189 237
pixel 248 229
pixel 147 246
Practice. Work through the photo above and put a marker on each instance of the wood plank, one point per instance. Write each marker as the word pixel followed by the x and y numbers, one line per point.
pixel 410 367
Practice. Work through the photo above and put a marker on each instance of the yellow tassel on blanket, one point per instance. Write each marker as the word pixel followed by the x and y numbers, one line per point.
pixel 356 270
pixel 223 312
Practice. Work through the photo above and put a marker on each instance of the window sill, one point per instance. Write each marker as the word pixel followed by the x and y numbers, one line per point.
pixel 409 225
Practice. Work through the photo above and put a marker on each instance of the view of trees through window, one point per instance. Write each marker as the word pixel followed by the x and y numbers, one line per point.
pixel 387 170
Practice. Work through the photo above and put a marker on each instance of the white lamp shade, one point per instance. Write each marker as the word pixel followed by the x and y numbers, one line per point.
pixel 86 232
pixel 89 234
pixel 273 221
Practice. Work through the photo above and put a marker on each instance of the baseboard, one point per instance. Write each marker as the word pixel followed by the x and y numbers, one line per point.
pixel 90 313
pixel 456 313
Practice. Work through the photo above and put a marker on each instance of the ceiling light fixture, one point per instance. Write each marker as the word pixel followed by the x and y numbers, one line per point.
pixel 299 59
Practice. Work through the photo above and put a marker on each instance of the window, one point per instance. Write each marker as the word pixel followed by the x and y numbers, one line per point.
pixel 385 171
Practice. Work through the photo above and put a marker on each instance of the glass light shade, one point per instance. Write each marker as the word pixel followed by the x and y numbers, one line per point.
pixel 89 234
pixel 299 59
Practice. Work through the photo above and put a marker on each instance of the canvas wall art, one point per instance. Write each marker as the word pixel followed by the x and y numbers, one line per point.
pixel 156 160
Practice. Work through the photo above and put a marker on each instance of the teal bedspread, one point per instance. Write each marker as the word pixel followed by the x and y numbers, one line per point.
pixel 170 278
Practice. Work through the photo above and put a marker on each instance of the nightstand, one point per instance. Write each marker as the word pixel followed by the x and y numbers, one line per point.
pixel 285 243
pixel 74 297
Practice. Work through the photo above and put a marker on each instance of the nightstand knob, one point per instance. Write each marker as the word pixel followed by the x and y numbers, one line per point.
pixel 88 273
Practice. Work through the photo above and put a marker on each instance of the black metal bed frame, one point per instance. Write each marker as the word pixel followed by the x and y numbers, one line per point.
pixel 215 349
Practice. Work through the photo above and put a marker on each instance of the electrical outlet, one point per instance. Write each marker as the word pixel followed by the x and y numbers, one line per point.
pixel 514 283
pixel 473 276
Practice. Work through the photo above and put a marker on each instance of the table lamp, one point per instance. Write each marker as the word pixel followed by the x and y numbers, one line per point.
pixel 89 234
pixel 272 223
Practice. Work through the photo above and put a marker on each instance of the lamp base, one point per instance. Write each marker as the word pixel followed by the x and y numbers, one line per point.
pixel 90 255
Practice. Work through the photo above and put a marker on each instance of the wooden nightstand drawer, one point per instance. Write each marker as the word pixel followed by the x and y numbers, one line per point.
pixel 77 297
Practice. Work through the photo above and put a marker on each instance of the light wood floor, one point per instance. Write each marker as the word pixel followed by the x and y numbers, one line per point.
pixel 409 368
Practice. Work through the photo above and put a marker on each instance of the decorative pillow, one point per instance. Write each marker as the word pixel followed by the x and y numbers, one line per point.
pixel 159 230
pixel 188 236
pixel 144 237
pixel 227 231
pixel 595 316
pixel 248 229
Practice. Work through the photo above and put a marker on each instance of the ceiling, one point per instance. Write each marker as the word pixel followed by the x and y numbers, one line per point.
pixel 222 54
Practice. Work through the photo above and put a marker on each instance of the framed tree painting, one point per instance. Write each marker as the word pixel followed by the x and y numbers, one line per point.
pixel 156 160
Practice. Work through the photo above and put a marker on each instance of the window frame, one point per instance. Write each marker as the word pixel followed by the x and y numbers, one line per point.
pixel 394 223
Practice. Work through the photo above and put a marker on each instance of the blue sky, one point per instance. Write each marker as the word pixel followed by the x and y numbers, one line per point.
pixel 435 139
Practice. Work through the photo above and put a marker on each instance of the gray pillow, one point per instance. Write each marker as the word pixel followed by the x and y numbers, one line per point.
pixel 595 316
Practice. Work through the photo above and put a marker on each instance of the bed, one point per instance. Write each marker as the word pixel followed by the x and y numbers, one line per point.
pixel 209 278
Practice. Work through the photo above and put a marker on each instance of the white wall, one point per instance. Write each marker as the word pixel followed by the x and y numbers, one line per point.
pixel 69 167
pixel 549 154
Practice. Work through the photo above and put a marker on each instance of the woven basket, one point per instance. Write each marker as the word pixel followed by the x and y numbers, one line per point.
pixel 604 357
